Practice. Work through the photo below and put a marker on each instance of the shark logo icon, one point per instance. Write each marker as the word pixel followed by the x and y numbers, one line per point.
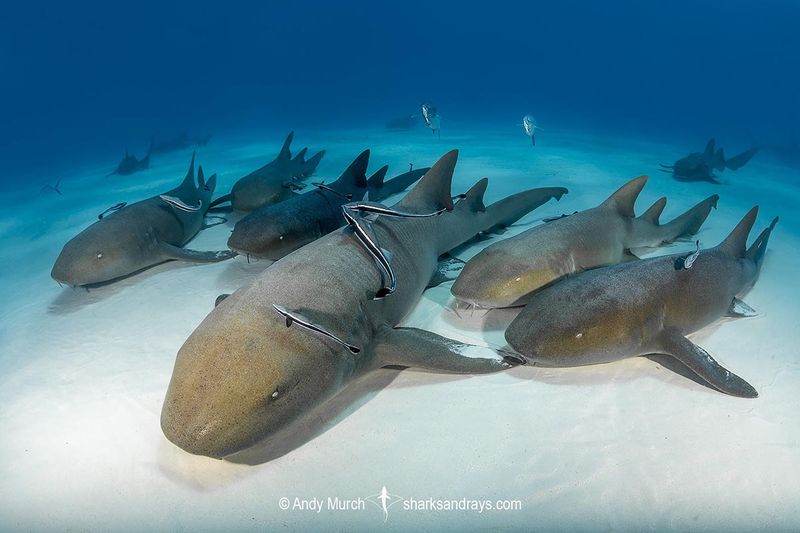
pixel 384 500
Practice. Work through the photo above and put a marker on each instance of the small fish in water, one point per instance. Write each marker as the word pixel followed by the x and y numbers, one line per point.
pixel 55 188
pixel 685 263
pixel 178 203
pixel 431 117
pixel 321 185
pixel 293 317
pixel 115 207
pixel 529 123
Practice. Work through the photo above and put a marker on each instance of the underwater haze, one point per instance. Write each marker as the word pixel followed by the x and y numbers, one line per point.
pixel 83 80
pixel 701 96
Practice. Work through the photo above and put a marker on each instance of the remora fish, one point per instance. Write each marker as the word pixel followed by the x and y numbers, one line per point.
pixel 645 307
pixel 242 376
pixel 275 231
pixel 140 235
pixel 504 273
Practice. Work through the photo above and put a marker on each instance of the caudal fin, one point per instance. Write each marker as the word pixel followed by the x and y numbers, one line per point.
pixel 738 161
pixel 689 223
pixel 512 208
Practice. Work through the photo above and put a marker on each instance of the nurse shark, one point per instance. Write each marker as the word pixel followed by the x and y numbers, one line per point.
pixel 137 236
pixel 504 273
pixel 310 324
pixel 700 166
pixel 274 231
pixel 645 307
pixel 274 182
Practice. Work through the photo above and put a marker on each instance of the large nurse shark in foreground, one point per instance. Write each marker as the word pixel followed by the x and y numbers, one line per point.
pixel 505 273
pixel 645 307
pixel 311 323
pixel 140 235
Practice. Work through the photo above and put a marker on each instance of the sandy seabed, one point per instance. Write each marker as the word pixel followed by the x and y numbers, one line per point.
pixel 623 446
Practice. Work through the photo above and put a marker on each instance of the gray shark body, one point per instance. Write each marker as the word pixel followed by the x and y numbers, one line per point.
pixel 140 235
pixel 275 181
pixel 274 231
pixel 700 166
pixel 644 307
pixel 244 376
pixel 130 164
pixel 505 273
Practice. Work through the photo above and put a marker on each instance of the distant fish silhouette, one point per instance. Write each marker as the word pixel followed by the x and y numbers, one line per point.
pixel 431 117
pixel 54 188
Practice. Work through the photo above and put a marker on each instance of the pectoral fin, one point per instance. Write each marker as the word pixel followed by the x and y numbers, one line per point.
pixel 169 251
pixel 701 363
pixel 739 309
pixel 418 348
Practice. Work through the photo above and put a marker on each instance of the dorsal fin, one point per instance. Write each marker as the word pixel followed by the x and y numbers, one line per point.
pixel 201 181
pixel 654 211
pixel 473 199
pixel 356 172
pixel 376 180
pixel 735 244
pixel 622 201
pixel 285 152
pixel 432 192
pixel 188 181
pixel 299 158
pixel 211 184
pixel 709 151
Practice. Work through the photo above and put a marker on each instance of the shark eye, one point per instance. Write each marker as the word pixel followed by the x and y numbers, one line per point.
pixel 281 237
pixel 274 396
pixel 100 255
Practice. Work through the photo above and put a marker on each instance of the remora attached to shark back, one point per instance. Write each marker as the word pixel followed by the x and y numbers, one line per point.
pixel 277 230
pixel 243 375
pixel 275 181
pixel 504 273
pixel 645 307
pixel 140 235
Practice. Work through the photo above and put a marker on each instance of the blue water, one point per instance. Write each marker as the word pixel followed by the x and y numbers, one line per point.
pixel 82 82
pixel 617 87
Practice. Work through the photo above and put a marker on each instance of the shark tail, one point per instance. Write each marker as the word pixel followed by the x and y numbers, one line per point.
pixel 310 166
pixel 505 212
pixel 738 161
pixel 689 222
